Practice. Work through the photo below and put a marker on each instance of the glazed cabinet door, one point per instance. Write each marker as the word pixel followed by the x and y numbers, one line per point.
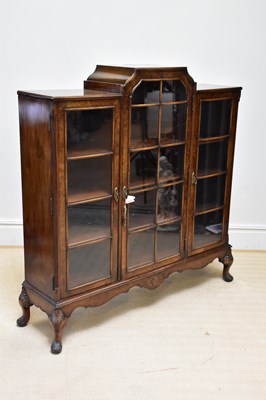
pixel 91 181
pixel 211 172
pixel 153 195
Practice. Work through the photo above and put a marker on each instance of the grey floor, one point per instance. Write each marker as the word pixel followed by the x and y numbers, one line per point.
pixel 195 337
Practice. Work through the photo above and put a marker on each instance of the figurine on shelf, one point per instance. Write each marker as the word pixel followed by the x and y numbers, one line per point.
pixel 166 169
pixel 167 196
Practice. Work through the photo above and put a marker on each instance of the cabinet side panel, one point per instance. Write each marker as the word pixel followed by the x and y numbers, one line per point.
pixel 35 143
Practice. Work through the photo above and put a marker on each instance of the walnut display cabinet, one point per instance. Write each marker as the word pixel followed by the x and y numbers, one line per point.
pixel 124 182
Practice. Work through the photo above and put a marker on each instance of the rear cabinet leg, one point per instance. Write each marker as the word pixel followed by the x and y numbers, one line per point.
pixel 57 320
pixel 227 261
pixel 25 304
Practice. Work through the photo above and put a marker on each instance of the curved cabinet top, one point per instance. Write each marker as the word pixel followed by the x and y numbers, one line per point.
pixel 124 79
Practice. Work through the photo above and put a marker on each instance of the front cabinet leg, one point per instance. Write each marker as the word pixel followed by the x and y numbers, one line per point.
pixel 25 304
pixel 227 261
pixel 57 320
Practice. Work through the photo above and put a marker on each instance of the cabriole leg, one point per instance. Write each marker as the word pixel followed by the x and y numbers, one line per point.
pixel 25 304
pixel 227 261
pixel 57 320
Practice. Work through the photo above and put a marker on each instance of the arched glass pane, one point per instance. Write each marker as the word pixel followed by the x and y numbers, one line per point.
pixel 173 91
pixel 147 92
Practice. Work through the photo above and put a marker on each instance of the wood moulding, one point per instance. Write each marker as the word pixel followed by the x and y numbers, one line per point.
pixel 59 311
pixel 100 296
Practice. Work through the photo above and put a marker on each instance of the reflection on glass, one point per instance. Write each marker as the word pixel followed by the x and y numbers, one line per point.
pixel 142 211
pixel 82 184
pixel 212 157
pixel 171 163
pixel 146 92
pixel 144 126
pixel 173 91
pixel 89 221
pixel 215 118
pixel 168 240
pixel 210 193
pixel 143 168
pixel 173 125
pixel 88 263
pixel 140 248
pixel 208 228
pixel 89 131
pixel 169 202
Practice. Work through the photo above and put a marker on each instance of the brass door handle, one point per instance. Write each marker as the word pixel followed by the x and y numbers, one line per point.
pixel 116 194
pixel 125 206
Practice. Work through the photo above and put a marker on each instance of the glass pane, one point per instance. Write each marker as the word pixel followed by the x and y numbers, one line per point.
pixel 89 131
pixel 89 221
pixel 144 126
pixel 208 228
pixel 82 184
pixel 173 125
pixel 142 212
pixel 140 248
pixel 210 193
pixel 168 240
pixel 212 157
pixel 143 168
pixel 88 263
pixel 171 163
pixel 146 92
pixel 173 91
pixel 215 118
pixel 169 202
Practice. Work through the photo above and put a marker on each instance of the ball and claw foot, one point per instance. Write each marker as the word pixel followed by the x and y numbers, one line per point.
pixel 25 304
pixel 227 261
pixel 57 320
pixel 56 347
pixel 226 275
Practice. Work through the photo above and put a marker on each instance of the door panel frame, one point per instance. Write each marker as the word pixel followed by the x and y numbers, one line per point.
pixel 125 168
pixel 215 95
pixel 61 192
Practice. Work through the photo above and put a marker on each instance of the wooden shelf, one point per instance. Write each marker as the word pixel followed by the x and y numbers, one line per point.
pixel 143 146
pixel 164 103
pixel 79 241
pixel 169 180
pixel 141 228
pixel 174 142
pixel 206 239
pixel 82 196
pixel 210 173
pixel 170 220
pixel 85 153
pixel 136 184
pixel 176 181
pixel 213 139
pixel 140 105
pixel 208 208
